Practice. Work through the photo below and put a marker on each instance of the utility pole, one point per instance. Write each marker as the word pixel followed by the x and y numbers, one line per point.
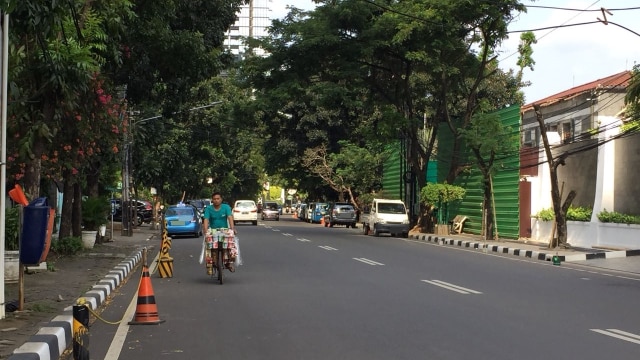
pixel 124 203
pixel 3 152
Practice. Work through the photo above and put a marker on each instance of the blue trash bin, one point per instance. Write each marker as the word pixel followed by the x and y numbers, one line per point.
pixel 34 231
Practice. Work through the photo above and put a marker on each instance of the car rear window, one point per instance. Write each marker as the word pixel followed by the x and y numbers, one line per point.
pixel 179 211
pixel 344 208
pixel 245 204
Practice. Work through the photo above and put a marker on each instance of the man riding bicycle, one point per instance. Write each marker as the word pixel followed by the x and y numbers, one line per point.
pixel 218 216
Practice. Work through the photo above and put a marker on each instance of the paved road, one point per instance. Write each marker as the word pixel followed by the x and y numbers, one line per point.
pixel 307 292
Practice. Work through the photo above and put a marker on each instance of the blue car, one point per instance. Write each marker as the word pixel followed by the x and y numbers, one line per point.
pixel 183 219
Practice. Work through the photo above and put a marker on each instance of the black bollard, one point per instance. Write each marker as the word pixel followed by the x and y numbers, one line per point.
pixel 80 330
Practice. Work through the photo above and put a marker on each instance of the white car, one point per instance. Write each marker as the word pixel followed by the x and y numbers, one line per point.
pixel 245 211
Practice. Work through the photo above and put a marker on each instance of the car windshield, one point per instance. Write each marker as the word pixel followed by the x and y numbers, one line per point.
pixel 271 206
pixel 197 203
pixel 391 208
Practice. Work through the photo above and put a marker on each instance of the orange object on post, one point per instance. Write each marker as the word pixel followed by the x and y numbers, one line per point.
pixel 16 194
pixel 146 310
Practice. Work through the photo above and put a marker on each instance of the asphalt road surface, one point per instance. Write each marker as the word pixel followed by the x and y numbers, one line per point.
pixel 310 292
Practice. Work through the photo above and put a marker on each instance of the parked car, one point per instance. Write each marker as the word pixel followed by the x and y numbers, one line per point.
pixel 385 216
pixel 340 214
pixel 316 212
pixel 143 213
pixel 245 211
pixel 183 219
pixel 302 212
pixel 200 204
pixel 270 211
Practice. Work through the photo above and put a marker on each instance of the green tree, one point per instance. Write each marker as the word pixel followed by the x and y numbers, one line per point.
pixel 58 54
pixel 349 171
pixel 632 100
pixel 387 72
pixel 217 148
pixel 489 141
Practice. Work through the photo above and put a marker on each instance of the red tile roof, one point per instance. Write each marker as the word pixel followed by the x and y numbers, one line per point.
pixel 619 80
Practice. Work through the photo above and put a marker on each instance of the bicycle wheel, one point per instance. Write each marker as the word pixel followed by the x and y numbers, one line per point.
pixel 214 271
pixel 220 266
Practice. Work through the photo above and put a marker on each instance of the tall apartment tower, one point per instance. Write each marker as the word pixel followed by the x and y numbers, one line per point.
pixel 253 20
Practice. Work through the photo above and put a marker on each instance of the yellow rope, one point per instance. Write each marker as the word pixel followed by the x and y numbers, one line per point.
pixel 82 301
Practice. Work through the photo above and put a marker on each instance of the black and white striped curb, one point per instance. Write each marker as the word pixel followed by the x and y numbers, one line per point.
pixel 539 255
pixel 56 336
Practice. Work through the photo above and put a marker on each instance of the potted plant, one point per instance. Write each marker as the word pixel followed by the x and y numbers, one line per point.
pixel 12 244
pixel 95 211
pixel 439 197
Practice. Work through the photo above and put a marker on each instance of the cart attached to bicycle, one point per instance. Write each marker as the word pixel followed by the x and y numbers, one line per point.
pixel 221 252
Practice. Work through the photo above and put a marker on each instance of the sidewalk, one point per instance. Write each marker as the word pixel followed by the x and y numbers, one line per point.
pixel 43 329
pixel 621 260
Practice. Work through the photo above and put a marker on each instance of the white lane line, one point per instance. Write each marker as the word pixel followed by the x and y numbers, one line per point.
pixel 367 261
pixel 275 229
pixel 113 353
pixel 287 234
pixel 327 247
pixel 303 240
pixel 619 334
pixel 451 287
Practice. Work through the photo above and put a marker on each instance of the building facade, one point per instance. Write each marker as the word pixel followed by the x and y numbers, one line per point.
pixel 253 21
pixel 584 125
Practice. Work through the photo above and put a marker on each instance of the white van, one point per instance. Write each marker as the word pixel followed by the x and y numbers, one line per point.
pixel 386 216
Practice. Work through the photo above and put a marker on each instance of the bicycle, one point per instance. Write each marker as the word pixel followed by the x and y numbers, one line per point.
pixel 222 252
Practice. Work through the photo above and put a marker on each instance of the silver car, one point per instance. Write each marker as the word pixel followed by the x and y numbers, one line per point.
pixel 270 211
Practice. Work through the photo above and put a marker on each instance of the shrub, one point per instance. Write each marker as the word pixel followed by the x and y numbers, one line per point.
pixel 67 246
pixel 12 229
pixel 545 215
pixel 579 213
pixel 434 194
pixel 95 211
pixel 616 217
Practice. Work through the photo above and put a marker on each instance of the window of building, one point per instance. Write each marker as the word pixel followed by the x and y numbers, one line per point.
pixel 566 134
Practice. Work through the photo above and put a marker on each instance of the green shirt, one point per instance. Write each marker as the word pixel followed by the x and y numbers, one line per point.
pixel 218 218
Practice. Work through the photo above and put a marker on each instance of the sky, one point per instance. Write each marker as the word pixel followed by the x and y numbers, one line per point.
pixel 565 57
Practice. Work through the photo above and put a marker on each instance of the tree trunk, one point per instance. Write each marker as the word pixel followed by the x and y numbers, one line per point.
pixel 76 223
pixel 420 160
pixel 488 205
pixel 93 180
pixel 67 203
pixel 455 161
pixel 559 209
pixel 33 170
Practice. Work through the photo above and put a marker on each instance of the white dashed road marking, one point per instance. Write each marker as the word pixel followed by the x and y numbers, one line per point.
pixel 619 334
pixel 327 247
pixel 303 240
pixel 451 287
pixel 367 261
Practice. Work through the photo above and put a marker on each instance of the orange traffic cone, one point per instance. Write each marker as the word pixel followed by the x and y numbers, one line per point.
pixel 322 220
pixel 16 194
pixel 147 310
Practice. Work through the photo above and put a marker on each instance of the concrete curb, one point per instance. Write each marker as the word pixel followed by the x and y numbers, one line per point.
pixel 539 255
pixel 56 336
